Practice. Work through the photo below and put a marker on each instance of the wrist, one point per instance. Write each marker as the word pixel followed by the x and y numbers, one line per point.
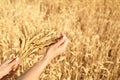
pixel 47 58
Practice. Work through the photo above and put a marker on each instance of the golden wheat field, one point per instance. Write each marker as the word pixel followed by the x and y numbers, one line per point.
pixel 27 27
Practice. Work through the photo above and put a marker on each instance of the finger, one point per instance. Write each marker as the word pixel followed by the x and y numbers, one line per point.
pixel 12 63
pixel 11 73
pixel 8 61
pixel 64 45
pixel 57 41
pixel 62 39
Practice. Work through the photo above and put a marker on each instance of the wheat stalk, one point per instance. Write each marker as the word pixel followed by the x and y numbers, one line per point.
pixel 34 43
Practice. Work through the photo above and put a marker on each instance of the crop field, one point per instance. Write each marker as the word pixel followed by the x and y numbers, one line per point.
pixel 28 27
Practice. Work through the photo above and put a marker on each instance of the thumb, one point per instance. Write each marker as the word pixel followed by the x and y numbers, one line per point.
pixel 13 62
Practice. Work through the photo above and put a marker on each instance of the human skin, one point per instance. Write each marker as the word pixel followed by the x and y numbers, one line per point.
pixel 34 72
pixel 53 51
pixel 7 67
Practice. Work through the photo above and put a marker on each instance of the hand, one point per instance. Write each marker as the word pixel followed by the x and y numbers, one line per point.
pixel 8 66
pixel 57 48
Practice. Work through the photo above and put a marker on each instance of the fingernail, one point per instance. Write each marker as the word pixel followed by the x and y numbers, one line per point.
pixel 17 59
pixel 14 69
pixel 64 37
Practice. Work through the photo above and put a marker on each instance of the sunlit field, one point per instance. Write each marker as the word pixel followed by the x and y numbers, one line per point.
pixel 28 27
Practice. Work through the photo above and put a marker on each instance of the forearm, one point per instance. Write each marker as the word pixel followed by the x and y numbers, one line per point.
pixel 34 72
pixel 2 74
pixel 54 50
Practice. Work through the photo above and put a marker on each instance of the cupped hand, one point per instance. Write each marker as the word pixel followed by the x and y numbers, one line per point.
pixel 57 48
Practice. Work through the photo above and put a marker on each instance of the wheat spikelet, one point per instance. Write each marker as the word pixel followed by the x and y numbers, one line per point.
pixel 28 27
pixel 37 42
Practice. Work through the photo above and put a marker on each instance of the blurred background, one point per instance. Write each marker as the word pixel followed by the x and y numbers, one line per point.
pixel 92 26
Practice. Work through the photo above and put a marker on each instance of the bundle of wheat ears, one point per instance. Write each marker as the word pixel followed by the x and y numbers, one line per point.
pixel 28 27
pixel 32 44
